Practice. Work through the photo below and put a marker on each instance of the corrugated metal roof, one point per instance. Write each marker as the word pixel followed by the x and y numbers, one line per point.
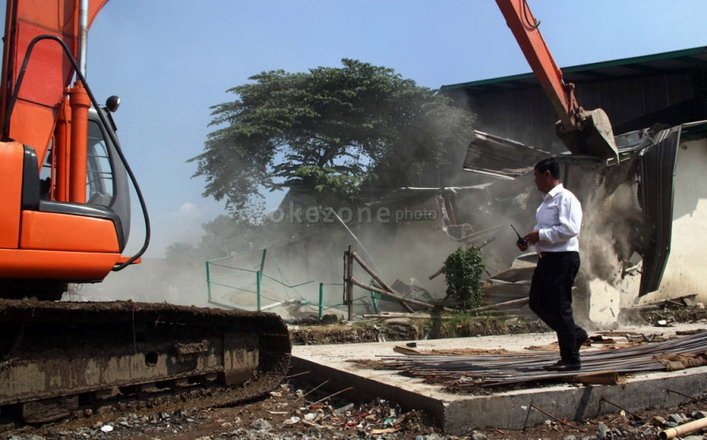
pixel 679 60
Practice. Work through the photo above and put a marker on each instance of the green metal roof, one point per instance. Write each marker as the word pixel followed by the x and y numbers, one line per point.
pixel 679 60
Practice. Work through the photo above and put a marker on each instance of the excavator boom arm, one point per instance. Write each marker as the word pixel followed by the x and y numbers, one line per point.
pixel 583 132
pixel 525 30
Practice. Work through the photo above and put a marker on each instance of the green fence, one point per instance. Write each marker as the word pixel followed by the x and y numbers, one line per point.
pixel 232 276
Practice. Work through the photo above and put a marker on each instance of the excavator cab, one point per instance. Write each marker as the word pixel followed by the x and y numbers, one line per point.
pixel 65 204
pixel 48 242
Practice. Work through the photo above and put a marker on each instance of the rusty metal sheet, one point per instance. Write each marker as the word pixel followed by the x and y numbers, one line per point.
pixel 500 157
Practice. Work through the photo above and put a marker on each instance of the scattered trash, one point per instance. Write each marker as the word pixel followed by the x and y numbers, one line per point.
pixel 343 409
pixel 384 431
pixel 106 428
pixel 261 424
pixel 602 430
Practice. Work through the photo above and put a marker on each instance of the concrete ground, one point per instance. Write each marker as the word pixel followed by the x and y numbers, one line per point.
pixel 458 414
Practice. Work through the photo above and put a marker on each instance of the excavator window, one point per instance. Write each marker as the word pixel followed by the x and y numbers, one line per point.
pixel 99 171
pixel 45 175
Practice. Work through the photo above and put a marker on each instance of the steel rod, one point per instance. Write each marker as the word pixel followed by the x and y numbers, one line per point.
pixel 315 388
pixel 555 418
pixel 297 374
pixel 331 395
pixel 603 399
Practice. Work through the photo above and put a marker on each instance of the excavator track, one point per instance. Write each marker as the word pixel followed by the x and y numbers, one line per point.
pixel 55 355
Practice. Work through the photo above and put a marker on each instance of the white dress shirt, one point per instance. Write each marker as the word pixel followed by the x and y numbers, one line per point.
pixel 559 219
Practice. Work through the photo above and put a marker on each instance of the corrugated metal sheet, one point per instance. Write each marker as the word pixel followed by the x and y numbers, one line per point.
pixel 500 157
pixel 657 170
pixel 648 65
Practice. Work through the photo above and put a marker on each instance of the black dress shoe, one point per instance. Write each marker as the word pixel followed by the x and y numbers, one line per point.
pixel 558 363
pixel 564 366
pixel 580 339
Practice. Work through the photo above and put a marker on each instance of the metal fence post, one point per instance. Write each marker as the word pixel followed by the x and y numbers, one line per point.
pixel 208 280
pixel 257 288
pixel 262 261
pixel 348 286
pixel 321 300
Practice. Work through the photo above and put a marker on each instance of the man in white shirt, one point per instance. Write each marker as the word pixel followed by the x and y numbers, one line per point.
pixel 559 219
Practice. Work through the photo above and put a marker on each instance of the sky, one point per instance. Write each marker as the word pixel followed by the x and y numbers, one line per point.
pixel 171 60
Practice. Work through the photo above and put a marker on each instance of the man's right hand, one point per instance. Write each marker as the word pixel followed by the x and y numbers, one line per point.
pixel 522 245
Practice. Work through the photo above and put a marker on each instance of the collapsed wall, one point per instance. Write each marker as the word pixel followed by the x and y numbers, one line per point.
pixel 687 262
pixel 642 216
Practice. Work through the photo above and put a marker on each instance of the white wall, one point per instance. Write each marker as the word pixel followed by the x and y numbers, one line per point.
pixel 686 271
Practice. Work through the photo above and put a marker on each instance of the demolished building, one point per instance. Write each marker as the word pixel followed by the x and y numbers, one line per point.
pixel 644 211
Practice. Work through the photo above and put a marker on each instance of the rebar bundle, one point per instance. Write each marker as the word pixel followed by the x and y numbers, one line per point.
pixel 466 373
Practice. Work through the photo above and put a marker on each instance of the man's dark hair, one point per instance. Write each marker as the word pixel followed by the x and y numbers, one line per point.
pixel 549 164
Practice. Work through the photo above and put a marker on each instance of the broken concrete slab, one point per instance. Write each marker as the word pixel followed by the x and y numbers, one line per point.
pixel 459 414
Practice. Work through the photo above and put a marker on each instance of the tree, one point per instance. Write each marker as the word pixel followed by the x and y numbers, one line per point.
pixel 330 132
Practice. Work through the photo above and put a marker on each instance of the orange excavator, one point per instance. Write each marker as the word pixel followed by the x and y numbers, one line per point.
pixel 65 202
pixel 65 218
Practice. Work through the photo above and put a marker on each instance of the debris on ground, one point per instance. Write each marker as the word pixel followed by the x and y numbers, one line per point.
pixel 290 416
pixel 666 312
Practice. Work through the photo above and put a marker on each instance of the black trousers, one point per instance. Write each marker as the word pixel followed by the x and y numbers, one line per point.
pixel 551 299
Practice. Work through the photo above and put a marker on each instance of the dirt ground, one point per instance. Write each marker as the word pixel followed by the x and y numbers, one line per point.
pixel 297 410
pixel 291 413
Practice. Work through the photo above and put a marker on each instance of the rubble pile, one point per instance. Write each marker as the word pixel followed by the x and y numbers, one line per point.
pixel 286 416
pixel 288 413
pixel 666 312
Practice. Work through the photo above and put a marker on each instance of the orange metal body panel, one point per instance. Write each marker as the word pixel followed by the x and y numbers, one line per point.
pixel 55 265
pixel 63 232
pixel 11 157
pixel 48 72
pixel 523 25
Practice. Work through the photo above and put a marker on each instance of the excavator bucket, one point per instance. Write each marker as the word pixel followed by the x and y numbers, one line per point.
pixel 596 138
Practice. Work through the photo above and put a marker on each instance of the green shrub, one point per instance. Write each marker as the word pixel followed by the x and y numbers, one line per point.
pixel 462 270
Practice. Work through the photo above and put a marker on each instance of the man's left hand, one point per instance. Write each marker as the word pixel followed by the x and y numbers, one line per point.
pixel 532 237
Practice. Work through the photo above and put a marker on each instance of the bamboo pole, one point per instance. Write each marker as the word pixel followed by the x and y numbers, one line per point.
pixel 501 304
pixel 436 274
pixel 687 428
pixel 391 295
pixel 387 289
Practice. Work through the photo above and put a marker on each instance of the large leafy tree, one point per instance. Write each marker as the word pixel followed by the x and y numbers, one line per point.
pixel 332 132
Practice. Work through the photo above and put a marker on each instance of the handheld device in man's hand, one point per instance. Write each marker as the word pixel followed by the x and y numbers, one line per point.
pixel 521 241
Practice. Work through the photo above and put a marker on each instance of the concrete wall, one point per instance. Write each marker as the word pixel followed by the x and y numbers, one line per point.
pixel 687 265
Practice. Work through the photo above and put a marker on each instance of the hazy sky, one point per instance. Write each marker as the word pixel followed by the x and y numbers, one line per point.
pixel 170 60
